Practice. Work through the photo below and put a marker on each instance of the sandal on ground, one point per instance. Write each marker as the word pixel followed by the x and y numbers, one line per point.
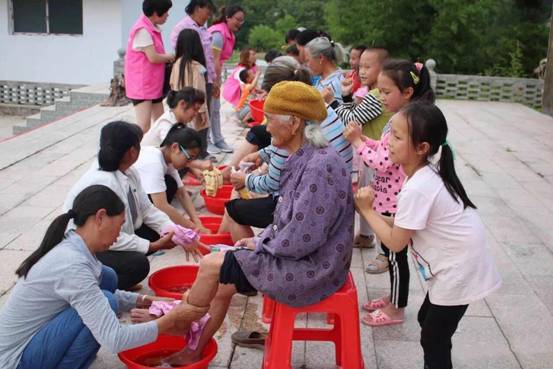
pixel 379 318
pixel 252 339
pixel 373 305
pixel 364 242
pixel 377 265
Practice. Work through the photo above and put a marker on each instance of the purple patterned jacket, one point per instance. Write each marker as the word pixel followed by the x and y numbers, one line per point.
pixel 305 255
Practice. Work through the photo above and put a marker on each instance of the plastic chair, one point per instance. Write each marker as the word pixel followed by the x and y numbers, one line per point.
pixel 345 334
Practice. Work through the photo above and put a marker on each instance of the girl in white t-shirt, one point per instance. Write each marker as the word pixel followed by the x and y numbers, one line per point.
pixel 184 105
pixel 441 224
pixel 158 170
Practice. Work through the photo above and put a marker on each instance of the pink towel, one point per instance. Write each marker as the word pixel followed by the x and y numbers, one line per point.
pixel 159 308
pixel 181 236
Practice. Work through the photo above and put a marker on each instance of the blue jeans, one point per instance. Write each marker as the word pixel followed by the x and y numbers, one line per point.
pixel 65 342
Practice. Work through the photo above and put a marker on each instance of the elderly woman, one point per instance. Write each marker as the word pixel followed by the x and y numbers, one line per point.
pixel 305 255
pixel 322 58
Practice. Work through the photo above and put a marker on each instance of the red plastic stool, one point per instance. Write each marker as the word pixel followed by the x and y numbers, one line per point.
pixel 269 306
pixel 345 334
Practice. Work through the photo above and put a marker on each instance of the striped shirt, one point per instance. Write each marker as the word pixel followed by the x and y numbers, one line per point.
pixel 334 81
pixel 368 109
pixel 332 128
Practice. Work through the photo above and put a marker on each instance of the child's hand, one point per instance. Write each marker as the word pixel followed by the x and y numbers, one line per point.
pixel 353 134
pixel 364 199
pixel 246 242
pixel 238 180
pixel 328 95
pixel 347 86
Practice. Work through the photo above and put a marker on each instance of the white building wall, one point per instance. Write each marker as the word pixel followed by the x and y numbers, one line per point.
pixel 132 9
pixel 80 59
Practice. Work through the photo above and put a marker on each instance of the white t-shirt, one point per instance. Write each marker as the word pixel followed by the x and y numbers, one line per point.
pixel 449 246
pixel 141 40
pixel 152 168
pixel 158 131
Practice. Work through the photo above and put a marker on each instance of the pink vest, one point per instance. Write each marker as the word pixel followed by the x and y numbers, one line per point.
pixel 144 80
pixel 231 87
pixel 228 37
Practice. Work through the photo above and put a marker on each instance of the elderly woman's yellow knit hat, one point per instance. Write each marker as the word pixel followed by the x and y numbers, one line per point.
pixel 297 99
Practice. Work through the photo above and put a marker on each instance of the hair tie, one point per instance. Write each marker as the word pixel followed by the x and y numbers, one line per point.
pixel 71 214
pixel 445 143
pixel 415 78
pixel 419 66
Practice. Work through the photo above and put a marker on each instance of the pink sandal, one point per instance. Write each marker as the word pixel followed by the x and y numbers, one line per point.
pixel 379 318
pixel 373 305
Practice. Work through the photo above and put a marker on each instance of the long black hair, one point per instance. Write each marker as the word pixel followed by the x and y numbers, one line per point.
pixel 116 138
pixel 428 124
pixel 186 137
pixel 188 49
pixel 86 204
pixel 406 74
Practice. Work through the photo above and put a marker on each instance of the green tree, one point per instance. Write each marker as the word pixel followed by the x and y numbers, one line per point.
pixel 263 37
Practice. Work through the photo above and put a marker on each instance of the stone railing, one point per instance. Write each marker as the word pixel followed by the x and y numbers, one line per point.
pixel 464 87
pixel 32 93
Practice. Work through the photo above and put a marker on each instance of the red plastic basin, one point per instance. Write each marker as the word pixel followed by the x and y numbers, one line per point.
pixel 164 346
pixel 256 110
pixel 216 204
pixel 213 224
pixel 167 279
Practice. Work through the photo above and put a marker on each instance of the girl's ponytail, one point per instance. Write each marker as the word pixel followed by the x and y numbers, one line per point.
pixel 86 204
pixel 446 170
pixel 428 124
pixel 406 75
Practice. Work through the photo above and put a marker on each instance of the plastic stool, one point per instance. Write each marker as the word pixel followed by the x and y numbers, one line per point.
pixel 269 306
pixel 345 334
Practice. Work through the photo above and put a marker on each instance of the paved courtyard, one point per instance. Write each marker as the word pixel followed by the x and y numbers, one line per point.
pixel 504 155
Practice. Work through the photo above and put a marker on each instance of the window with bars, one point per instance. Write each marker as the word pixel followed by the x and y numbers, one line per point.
pixel 48 16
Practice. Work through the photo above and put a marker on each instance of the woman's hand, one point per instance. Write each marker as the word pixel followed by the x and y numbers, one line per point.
pixel 246 242
pixel 200 228
pixel 328 95
pixel 364 199
pixel 192 249
pixel 238 180
pixel 353 134
pixel 170 58
pixel 145 301
pixel 164 243
pixel 347 86
pixel 254 158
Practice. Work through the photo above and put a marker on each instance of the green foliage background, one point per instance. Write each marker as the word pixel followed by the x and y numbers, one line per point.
pixel 492 37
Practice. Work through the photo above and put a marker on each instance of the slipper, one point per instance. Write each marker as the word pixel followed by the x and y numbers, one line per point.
pixel 252 339
pixel 379 318
pixel 373 305
pixel 377 265
pixel 364 242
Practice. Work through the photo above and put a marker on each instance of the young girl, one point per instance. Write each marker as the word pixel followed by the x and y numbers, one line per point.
pixel 400 82
pixel 437 218
pixel 190 70
pixel 158 170
pixel 184 105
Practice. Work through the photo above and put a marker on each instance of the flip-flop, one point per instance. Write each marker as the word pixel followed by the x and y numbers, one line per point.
pixel 373 305
pixel 252 339
pixel 379 318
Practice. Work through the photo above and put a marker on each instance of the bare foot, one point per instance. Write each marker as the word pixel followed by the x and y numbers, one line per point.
pixel 393 312
pixel 141 316
pixel 184 357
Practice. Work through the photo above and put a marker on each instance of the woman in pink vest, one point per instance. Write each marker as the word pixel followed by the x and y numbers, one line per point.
pixel 145 61
pixel 223 40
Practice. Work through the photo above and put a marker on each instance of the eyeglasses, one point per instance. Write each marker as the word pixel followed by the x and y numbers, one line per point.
pixel 186 153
